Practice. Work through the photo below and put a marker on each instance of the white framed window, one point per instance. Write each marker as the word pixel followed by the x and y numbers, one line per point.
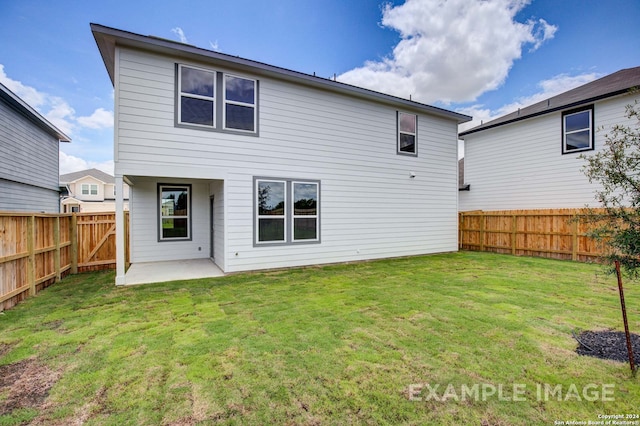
pixel 577 130
pixel 271 211
pixel 305 211
pixel 287 211
pixel 174 212
pixel 212 100
pixel 197 96
pixel 239 103
pixel 89 189
pixel 407 133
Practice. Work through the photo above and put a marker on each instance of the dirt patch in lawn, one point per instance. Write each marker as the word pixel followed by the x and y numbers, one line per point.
pixel 25 384
pixel 607 345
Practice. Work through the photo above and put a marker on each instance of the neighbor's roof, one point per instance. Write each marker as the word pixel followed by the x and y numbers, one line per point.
pixel 108 38
pixel 611 85
pixel 98 174
pixel 25 109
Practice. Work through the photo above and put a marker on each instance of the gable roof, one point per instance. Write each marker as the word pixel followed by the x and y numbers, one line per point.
pixel 98 174
pixel 25 109
pixel 611 85
pixel 108 38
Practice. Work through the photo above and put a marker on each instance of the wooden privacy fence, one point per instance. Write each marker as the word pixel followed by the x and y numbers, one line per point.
pixel 37 250
pixel 558 233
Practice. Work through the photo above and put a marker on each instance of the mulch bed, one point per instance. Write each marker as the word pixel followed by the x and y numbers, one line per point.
pixel 608 345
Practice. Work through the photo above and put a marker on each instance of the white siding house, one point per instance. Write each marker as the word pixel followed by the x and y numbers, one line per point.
pixel 90 191
pixel 29 157
pixel 260 167
pixel 529 159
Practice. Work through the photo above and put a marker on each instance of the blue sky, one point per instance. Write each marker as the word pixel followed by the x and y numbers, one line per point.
pixel 484 58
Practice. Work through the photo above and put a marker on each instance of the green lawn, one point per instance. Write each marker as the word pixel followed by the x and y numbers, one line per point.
pixel 340 344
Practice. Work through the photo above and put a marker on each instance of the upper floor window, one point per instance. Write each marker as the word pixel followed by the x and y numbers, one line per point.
pixel 239 103
pixel 577 130
pixel 197 90
pixel 216 101
pixel 89 189
pixel 407 133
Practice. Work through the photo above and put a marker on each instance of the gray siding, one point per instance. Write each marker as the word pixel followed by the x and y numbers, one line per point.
pixel 521 166
pixel 19 197
pixel 29 160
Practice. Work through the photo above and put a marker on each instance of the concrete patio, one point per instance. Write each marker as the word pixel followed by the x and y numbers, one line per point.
pixel 156 272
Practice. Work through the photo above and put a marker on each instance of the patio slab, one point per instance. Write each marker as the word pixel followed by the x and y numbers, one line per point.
pixel 157 272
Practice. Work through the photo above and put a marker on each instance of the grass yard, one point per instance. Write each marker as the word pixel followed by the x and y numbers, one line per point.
pixel 340 344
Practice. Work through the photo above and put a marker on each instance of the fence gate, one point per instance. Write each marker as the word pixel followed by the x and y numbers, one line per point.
pixel 96 241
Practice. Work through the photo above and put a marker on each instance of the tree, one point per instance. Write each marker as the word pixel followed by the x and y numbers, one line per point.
pixel 616 168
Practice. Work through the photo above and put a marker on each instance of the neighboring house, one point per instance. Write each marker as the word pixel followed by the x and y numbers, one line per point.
pixel 261 167
pixel 529 159
pixel 29 157
pixel 89 191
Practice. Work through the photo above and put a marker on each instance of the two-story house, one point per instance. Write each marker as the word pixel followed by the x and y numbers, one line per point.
pixel 89 191
pixel 257 166
pixel 29 157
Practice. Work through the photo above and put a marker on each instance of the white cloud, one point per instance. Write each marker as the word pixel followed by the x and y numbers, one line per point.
pixel 70 163
pixel 548 88
pixel 178 31
pixel 450 51
pixel 26 93
pixel 543 32
pixel 61 114
pixel 100 119
pixel 214 45
pixel 56 109
pixel 53 108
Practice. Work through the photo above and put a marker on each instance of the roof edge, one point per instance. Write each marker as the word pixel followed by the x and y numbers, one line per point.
pixel 107 38
pixel 563 107
pixel 17 103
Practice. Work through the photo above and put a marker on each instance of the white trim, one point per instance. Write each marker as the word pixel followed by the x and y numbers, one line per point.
pixel 253 105
pixel 120 236
pixel 212 99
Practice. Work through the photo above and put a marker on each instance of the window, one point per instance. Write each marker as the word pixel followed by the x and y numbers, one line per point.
pixel 216 101
pixel 577 130
pixel 272 215
pixel 305 211
pixel 89 189
pixel 174 206
pixel 239 103
pixel 287 211
pixel 197 96
pixel 407 133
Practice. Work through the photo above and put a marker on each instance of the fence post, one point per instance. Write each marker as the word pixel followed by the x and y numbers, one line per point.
pixel 514 228
pixel 481 231
pixel 460 222
pixel 31 248
pixel 574 239
pixel 74 243
pixel 56 241
pixel 127 240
